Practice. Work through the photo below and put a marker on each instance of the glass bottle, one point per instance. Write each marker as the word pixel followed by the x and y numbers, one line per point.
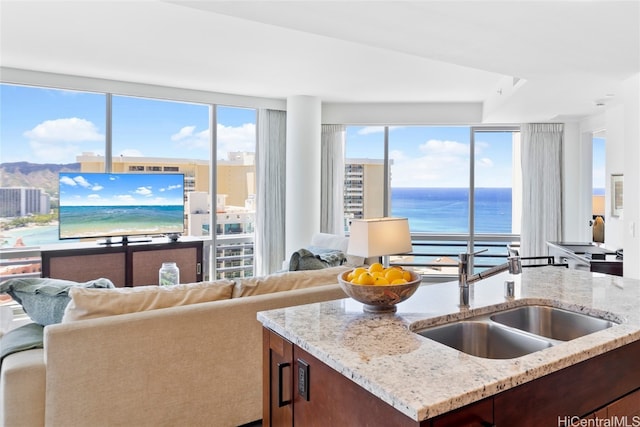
pixel 169 274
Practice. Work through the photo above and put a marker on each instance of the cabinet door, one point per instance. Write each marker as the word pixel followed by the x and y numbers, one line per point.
pixel 277 390
pixel 628 405
pixel 81 267
pixel 146 263
pixel 322 393
pixel 479 414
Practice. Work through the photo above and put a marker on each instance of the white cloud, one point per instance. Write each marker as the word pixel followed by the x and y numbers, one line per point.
pixel 65 130
pixel 94 197
pixel 236 138
pixel 60 140
pixel 97 187
pixel 144 191
pixel 185 132
pixel 440 164
pixel 188 138
pixel 484 162
pixel 81 181
pixel 67 181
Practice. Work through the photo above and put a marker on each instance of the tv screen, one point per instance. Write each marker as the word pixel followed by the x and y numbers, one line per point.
pixel 120 204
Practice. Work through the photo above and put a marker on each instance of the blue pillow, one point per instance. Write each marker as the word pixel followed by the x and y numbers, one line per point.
pixel 43 299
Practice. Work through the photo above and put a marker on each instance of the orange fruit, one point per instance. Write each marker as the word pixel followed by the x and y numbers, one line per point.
pixel 365 279
pixel 406 275
pixel 393 274
pixel 376 266
pixel 399 282
pixel 380 281
pixel 355 273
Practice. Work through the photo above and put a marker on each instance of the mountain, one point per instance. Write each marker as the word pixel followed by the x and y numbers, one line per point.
pixel 38 175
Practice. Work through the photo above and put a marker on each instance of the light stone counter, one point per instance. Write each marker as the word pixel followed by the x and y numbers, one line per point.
pixel 422 378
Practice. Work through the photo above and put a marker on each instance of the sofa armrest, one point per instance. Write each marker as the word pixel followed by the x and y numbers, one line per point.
pixel 186 365
pixel 22 389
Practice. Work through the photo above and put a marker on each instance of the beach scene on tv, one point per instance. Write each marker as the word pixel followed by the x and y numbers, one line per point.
pixel 110 204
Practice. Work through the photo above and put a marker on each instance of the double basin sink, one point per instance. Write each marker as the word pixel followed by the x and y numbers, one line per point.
pixel 515 332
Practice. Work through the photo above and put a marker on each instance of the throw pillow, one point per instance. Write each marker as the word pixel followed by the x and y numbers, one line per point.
pixel 43 299
pixel 287 281
pixel 93 303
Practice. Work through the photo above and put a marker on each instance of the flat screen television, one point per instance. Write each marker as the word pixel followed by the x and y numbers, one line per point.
pixel 95 205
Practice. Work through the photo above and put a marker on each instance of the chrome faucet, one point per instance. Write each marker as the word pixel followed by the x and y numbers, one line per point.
pixel 513 264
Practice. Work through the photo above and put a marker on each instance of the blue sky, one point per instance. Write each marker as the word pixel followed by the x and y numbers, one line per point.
pixel 54 126
pixel 89 189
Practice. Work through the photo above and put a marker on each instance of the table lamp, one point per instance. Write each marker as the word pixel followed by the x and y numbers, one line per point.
pixel 379 237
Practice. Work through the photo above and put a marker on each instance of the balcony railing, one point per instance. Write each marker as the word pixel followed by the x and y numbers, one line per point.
pixel 435 256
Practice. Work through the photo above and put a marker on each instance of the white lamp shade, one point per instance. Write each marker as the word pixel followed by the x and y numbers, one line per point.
pixel 379 237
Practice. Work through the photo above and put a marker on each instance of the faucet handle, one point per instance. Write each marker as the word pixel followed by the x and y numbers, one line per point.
pixel 465 256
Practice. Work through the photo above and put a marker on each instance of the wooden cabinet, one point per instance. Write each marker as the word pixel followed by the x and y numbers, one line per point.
pixel 627 406
pixel 576 391
pixel 301 390
pixel 277 380
pixel 479 414
pixel 134 264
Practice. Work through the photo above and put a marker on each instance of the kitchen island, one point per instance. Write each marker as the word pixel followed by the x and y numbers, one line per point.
pixel 422 379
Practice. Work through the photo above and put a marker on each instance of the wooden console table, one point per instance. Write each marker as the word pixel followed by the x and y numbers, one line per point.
pixel 133 264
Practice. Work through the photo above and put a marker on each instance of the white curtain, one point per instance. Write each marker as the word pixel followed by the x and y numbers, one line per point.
pixel 332 173
pixel 269 240
pixel 541 187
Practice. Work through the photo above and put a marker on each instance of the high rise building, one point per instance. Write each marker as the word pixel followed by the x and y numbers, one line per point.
pixel 22 201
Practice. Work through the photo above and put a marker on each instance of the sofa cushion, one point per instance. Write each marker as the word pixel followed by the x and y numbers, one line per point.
pixel 286 281
pixel 93 303
pixel 44 299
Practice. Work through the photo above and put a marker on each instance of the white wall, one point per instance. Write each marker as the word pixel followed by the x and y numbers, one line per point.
pixel 631 217
pixel 622 124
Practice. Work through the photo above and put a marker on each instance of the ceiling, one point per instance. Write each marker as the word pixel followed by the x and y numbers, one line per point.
pixel 523 60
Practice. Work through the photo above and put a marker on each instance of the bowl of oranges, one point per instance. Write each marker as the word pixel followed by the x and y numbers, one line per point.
pixel 379 288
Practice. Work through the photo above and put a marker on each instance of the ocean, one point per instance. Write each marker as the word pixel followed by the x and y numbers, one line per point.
pixel 430 210
pixel 446 210
pixel 102 221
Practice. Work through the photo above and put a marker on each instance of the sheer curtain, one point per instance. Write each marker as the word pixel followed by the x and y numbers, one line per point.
pixel 332 177
pixel 269 240
pixel 541 187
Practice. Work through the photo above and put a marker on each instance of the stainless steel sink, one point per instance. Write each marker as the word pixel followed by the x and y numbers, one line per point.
pixel 515 332
pixel 551 322
pixel 484 339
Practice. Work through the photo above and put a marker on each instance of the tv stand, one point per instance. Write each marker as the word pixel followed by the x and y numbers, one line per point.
pixel 133 263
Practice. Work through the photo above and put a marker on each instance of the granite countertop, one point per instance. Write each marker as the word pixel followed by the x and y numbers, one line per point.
pixel 423 378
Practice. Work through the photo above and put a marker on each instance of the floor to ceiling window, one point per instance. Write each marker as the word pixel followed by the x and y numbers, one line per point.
pixel 454 184
pixel 236 190
pixel 364 173
pixel 45 131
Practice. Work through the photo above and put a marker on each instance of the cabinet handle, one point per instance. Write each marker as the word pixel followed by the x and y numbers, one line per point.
pixel 281 367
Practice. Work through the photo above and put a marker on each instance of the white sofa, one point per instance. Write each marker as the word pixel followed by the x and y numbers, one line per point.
pixel 191 365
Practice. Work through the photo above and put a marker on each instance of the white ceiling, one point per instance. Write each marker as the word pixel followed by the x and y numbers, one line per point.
pixel 524 60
